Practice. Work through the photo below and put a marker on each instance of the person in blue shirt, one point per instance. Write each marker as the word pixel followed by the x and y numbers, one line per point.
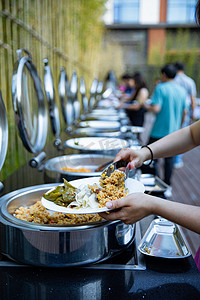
pixel 169 105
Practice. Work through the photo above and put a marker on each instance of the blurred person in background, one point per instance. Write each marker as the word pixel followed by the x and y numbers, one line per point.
pixel 124 87
pixel 168 102
pixel 190 86
pixel 134 104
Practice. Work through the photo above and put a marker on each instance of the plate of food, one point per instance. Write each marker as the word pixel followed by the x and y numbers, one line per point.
pixel 89 195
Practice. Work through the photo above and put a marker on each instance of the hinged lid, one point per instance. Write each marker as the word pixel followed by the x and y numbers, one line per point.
pixel 29 104
pixel 65 99
pixel 74 95
pixel 3 132
pixel 93 91
pixel 84 99
pixel 50 94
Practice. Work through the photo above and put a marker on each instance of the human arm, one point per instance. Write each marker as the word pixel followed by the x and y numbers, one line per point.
pixel 175 143
pixel 193 104
pixel 136 206
pixel 142 96
pixel 183 116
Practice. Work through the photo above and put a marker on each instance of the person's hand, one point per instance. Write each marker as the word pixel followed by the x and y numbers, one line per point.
pixel 129 209
pixel 135 158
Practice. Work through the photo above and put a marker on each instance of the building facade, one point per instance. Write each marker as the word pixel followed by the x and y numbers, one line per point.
pixel 141 26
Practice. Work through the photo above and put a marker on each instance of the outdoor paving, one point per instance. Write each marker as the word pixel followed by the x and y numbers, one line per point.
pixel 186 189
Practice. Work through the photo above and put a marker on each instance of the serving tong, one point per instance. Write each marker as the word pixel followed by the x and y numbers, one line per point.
pixel 117 165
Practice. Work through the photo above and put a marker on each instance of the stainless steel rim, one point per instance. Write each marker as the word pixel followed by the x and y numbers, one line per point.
pixel 50 164
pixel 50 94
pixel 74 143
pixel 5 215
pixel 64 94
pixel 3 132
pixel 92 132
pixel 26 62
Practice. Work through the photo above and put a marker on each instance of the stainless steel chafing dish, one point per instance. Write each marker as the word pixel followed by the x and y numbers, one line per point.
pixel 57 246
pixel 53 167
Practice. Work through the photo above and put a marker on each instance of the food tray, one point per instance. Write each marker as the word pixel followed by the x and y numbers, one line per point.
pixel 153 184
pixel 163 239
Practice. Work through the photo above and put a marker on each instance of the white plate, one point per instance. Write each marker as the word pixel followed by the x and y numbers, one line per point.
pixel 97 143
pixel 133 186
pixel 101 124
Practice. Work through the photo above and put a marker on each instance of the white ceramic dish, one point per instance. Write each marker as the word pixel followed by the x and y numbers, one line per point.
pixel 132 185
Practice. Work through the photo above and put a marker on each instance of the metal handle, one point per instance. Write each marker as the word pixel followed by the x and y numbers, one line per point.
pixel 57 143
pixel 37 160
pixel 19 53
pixel 1 187
pixel 121 163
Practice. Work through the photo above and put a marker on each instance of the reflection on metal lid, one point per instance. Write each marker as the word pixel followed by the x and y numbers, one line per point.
pixel 65 99
pixel 28 104
pixel 3 132
pixel 50 94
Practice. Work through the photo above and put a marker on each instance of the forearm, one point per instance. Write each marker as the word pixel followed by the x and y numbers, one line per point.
pixel 193 103
pixel 185 215
pixel 175 143
pixel 134 106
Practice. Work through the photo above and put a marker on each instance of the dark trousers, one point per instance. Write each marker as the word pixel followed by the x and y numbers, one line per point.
pixel 168 165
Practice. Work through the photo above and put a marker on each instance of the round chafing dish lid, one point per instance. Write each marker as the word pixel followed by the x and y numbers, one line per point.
pixel 3 132
pixel 29 103
pixel 50 94
pixel 74 84
pixel 65 99
pixel 94 85
pixel 75 109
pixel 64 91
pixel 100 87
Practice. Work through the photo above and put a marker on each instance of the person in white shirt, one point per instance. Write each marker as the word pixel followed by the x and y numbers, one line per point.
pixel 190 86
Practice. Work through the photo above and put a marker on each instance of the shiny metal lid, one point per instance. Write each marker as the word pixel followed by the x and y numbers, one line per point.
pixel 93 91
pixel 74 96
pixel 50 94
pixel 84 99
pixel 29 103
pixel 3 132
pixel 64 94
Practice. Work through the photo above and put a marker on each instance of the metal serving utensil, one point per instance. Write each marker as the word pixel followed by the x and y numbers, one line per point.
pixel 103 166
pixel 116 165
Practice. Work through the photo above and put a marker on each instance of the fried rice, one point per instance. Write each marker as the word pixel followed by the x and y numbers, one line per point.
pixel 112 188
pixel 37 213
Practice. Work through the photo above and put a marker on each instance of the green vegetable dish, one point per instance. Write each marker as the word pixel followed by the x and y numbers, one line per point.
pixel 62 195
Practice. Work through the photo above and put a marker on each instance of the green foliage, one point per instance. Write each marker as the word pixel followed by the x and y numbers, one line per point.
pixel 181 45
pixel 67 32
